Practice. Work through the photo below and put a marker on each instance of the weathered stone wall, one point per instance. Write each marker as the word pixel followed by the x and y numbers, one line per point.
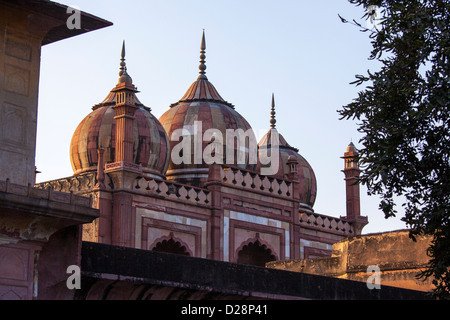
pixel 20 51
pixel 397 256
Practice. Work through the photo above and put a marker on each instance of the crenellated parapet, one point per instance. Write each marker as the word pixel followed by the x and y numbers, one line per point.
pixel 253 181
pixel 326 223
pixel 173 190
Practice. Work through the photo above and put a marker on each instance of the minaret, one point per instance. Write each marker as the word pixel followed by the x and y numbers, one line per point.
pixel 117 226
pixel 352 172
pixel 124 113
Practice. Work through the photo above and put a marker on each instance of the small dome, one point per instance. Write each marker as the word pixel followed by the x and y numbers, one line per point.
pixel 305 174
pixel 287 155
pixel 351 148
pixel 125 78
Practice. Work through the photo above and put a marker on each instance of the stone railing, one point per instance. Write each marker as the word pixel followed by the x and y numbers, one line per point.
pixel 86 182
pixel 255 182
pixel 173 190
pixel 77 184
pixel 326 223
pixel 47 194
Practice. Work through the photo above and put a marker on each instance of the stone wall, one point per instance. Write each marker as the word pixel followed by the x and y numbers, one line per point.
pixel 397 256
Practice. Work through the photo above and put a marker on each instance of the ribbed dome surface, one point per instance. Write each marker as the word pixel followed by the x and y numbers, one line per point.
pixel 202 105
pixel 202 89
pixel 97 131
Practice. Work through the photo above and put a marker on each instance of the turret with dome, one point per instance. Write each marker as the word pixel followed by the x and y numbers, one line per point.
pixel 150 143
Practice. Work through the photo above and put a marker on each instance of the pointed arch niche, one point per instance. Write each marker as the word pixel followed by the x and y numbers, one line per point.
pixel 255 251
pixel 171 244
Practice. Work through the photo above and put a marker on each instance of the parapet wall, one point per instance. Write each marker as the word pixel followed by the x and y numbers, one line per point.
pixel 112 272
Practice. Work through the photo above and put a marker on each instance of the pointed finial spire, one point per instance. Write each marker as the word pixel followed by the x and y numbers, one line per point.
pixel 272 113
pixel 124 77
pixel 202 65
pixel 123 67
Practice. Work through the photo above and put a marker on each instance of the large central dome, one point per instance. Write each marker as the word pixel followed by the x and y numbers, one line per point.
pixel 199 110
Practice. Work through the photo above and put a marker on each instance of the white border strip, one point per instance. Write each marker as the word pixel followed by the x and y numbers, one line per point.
pixel 235 215
pixel 142 213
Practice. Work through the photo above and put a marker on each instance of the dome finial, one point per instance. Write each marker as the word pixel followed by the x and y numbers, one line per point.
pixel 272 113
pixel 124 77
pixel 123 67
pixel 202 65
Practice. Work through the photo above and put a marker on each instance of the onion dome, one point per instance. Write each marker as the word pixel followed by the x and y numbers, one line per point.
pixel 97 131
pixel 200 109
pixel 287 156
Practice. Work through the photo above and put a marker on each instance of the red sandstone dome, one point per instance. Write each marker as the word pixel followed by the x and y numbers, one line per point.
pixel 202 103
pixel 288 154
pixel 97 131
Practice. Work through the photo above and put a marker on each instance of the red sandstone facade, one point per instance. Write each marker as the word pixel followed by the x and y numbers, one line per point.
pixel 126 190
pixel 121 156
pixel 40 230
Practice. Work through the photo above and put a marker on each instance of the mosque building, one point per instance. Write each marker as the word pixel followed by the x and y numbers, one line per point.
pixel 195 182
pixel 187 206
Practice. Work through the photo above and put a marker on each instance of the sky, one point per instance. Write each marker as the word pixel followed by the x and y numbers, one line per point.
pixel 298 50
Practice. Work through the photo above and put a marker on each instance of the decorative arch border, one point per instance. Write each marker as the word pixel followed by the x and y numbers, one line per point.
pixel 256 238
pixel 167 238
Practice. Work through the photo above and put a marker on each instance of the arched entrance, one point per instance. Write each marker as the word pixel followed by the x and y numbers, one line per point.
pixel 171 246
pixel 255 253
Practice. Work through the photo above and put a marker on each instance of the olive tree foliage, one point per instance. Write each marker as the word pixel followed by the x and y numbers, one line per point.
pixel 403 114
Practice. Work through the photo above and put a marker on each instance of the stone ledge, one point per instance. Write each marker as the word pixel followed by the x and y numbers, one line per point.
pixel 45 194
pixel 28 213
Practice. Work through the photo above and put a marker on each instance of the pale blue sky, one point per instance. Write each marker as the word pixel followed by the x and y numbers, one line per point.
pixel 299 50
